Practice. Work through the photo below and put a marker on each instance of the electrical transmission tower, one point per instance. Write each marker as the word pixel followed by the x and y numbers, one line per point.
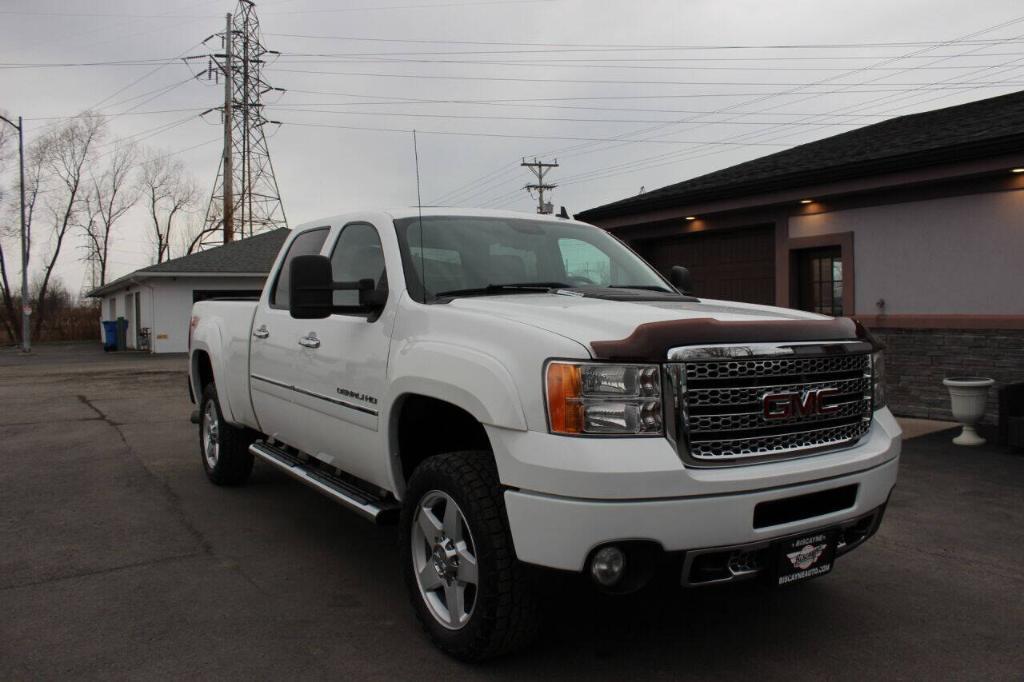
pixel 245 199
pixel 539 170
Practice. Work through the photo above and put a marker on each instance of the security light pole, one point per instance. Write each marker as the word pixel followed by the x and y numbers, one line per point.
pixel 26 310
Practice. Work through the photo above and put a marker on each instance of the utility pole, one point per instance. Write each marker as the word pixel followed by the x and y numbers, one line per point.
pixel 26 308
pixel 245 198
pixel 228 170
pixel 539 170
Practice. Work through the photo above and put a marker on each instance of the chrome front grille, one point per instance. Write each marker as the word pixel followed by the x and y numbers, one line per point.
pixel 723 417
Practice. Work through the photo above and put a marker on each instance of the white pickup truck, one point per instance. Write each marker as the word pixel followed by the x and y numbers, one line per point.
pixel 519 390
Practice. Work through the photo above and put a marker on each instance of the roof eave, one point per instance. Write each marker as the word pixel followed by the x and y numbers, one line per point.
pixel 139 276
pixel 923 159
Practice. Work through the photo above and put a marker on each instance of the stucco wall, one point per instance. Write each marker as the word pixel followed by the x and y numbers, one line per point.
pixel 960 255
pixel 173 308
pixel 166 306
pixel 145 312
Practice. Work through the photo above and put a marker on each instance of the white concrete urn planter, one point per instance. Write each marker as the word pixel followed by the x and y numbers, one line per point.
pixel 968 396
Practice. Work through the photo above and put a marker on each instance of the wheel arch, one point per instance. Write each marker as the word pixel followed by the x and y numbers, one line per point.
pixel 420 425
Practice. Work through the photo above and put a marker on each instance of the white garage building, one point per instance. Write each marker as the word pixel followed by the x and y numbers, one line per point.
pixel 156 301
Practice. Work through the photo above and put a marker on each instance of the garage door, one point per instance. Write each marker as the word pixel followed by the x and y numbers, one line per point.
pixel 737 265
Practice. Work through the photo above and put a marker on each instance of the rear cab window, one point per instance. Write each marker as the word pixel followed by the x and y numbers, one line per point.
pixel 308 243
pixel 357 255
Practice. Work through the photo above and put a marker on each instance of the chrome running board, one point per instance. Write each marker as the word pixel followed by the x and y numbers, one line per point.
pixel 379 510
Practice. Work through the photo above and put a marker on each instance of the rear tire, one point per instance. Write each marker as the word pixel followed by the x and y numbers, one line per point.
pixel 223 448
pixel 469 592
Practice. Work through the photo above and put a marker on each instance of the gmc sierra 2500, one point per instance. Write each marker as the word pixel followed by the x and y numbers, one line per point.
pixel 520 390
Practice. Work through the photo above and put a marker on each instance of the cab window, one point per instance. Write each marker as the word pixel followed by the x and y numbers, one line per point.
pixel 307 243
pixel 357 255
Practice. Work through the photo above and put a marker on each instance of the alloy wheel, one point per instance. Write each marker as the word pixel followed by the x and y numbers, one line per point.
pixel 444 559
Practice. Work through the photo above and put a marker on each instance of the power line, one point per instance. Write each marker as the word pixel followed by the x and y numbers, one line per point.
pixel 633 165
pixel 847 87
pixel 648 46
pixel 451 194
pixel 162 61
pixel 586 60
pixel 669 158
pixel 421 6
pixel 289 59
pixel 195 110
pixel 503 135
pixel 563 81
pixel 299 108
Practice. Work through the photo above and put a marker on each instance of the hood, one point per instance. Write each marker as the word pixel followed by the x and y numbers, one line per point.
pixel 591 321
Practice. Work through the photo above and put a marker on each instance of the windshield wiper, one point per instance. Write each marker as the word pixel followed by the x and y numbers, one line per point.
pixel 643 287
pixel 495 289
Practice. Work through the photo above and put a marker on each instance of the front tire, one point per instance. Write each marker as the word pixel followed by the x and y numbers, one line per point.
pixel 469 592
pixel 223 448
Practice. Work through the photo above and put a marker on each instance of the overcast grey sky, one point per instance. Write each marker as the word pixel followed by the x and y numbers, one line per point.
pixel 569 74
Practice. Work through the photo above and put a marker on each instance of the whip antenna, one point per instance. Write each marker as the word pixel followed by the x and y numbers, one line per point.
pixel 419 211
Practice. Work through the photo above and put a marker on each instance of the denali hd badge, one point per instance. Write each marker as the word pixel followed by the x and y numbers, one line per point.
pixel 793 404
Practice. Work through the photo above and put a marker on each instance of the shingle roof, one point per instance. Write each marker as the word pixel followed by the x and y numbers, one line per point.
pixel 251 255
pixel 962 132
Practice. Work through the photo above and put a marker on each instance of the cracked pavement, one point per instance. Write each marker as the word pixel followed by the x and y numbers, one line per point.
pixel 118 560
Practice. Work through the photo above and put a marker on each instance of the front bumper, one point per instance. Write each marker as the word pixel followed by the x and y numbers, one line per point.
pixel 561 532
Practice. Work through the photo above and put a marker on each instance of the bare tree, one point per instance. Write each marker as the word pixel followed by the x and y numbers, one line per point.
pixel 169 193
pixel 108 197
pixel 64 154
pixel 206 224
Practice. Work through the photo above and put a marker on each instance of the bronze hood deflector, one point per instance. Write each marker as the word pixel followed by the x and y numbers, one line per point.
pixel 651 342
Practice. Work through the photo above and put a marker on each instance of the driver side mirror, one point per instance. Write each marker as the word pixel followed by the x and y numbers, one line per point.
pixel 312 286
pixel 680 278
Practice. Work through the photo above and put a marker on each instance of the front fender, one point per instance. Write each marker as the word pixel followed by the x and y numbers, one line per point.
pixel 463 376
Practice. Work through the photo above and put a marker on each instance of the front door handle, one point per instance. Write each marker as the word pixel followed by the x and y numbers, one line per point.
pixel 261 332
pixel 309 341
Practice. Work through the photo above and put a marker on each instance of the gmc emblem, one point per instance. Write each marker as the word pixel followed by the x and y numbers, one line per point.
pixel 793 404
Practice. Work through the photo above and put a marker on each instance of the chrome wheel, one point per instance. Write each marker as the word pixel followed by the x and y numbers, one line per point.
pixel 444 559
pixel 211 435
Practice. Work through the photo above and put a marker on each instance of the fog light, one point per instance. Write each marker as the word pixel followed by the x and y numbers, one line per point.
pixel 608 566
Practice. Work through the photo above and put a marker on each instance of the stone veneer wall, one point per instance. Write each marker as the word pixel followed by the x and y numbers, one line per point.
pixel 917 360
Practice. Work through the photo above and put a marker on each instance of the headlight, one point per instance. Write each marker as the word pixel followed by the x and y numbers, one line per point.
pixel 600 399
pixel 878 379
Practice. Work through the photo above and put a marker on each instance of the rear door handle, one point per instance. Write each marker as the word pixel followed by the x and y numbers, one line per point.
pixel 261 332
pixel 309 341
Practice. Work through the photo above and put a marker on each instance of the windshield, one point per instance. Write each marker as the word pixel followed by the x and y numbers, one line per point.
pixel 456 253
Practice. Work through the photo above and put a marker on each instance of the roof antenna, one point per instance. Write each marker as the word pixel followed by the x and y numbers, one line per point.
pixel 419 211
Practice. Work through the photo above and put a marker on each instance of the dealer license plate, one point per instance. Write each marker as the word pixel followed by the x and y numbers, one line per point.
pixel 806 556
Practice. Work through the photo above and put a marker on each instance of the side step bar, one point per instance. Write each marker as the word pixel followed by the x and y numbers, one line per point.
pixel 372 508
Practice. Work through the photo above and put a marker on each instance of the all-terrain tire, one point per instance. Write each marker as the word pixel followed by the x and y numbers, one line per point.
pixel 230 463
pixel 505 615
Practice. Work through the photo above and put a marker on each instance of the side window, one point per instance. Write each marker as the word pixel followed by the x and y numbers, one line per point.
pixel 357 255
pixel 584 261
pixel 308 243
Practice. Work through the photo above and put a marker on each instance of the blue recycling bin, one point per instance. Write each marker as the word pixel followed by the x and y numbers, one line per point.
pixel 109 335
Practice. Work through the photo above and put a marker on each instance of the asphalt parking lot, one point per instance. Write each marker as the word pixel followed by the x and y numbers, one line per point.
pixel 119 560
